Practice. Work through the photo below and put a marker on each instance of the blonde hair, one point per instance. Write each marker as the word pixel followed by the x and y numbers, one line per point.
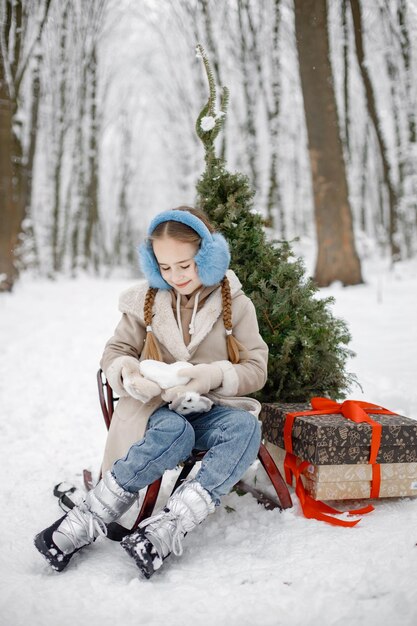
pixel 184 233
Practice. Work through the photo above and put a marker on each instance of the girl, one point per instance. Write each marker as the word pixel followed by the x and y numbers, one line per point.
pixel 191 309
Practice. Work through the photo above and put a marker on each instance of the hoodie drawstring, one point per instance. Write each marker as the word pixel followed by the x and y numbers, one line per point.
pixel 179 315
pixel 191 327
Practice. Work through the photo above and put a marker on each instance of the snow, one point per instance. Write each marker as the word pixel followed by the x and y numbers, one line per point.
pixel 245 565
pixel 207 123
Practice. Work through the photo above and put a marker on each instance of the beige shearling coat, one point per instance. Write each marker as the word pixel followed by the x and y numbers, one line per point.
pixel 208 344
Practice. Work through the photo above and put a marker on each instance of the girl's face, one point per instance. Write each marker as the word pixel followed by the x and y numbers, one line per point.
pixel 176 264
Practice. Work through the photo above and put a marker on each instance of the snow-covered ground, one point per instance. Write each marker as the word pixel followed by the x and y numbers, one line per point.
pixel 244 565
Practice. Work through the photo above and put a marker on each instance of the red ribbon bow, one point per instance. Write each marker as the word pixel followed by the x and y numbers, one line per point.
pixel 356 411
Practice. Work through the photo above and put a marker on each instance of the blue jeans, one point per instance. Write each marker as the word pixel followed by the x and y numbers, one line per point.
pixel 231 436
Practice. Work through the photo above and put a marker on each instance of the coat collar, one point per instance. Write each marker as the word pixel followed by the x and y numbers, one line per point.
pixel 164 324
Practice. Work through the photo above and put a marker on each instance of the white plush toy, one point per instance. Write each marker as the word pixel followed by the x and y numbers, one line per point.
pixel 166 375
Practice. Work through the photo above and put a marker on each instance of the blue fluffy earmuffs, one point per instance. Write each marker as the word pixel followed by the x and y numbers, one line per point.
pixel 212 258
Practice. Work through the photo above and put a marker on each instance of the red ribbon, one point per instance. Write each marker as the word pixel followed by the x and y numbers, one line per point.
pixel 356 411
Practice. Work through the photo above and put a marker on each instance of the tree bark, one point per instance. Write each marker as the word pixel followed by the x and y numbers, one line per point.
pixel 15 166
pixel 92 216
pixel 346 67
pixel 78 221
pixel 372 110
pixel 274 201
pixel 409 225
pixel 337 259
pixel 12 150
pixel 8 235
pixel 249 97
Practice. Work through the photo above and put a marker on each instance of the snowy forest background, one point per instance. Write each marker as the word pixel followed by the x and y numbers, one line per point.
pixel 98 104
pixel 102 96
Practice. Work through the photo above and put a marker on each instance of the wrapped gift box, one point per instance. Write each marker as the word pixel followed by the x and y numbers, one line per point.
pixel 332 439
pixel 345 482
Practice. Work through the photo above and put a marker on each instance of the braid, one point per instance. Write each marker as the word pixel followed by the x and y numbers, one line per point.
pixel 147 307
pixel 234 347
pixel 227 304
pixel 150 348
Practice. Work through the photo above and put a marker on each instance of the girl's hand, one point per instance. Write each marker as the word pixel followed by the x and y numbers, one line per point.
pixel 139 387
pixel 203 378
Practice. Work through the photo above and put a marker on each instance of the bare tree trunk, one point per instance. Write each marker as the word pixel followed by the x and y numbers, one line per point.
pixel 28 234
pixel 11 152
pixel 406 53
pixel 259 28
pixel 19 169
pixel 92 186
pixel 371 106
pixel 65 247
pixel 392 71
pixel 80 195
pixel 57 216
pixel 337 258
pixel 250 115
pixel 346 74
pixel 363 183
pixel 8 230
pixel 274 201
pixel 410 218
pixel 123 240
pixel 85 219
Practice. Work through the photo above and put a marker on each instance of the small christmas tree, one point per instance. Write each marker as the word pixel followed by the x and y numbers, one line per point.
pixel 307 344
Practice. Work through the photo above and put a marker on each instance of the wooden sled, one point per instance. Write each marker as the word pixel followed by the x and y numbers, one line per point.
pixel 116 531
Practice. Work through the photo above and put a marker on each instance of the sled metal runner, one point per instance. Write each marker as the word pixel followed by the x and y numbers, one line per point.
pixel 116 531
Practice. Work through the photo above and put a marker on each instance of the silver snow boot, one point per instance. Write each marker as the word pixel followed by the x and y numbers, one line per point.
pixel 163 533
pixel 85 522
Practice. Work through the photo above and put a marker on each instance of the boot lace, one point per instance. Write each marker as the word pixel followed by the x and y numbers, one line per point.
pixel 167 530
pixel 82 519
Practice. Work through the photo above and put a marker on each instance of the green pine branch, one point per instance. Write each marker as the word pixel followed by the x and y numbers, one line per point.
pixel 209 113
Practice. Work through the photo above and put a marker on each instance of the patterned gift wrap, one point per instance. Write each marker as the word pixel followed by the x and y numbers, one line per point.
pixel 331 439
pixel 346 482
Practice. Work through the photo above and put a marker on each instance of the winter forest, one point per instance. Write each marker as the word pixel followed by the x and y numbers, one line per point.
pixel 98 114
